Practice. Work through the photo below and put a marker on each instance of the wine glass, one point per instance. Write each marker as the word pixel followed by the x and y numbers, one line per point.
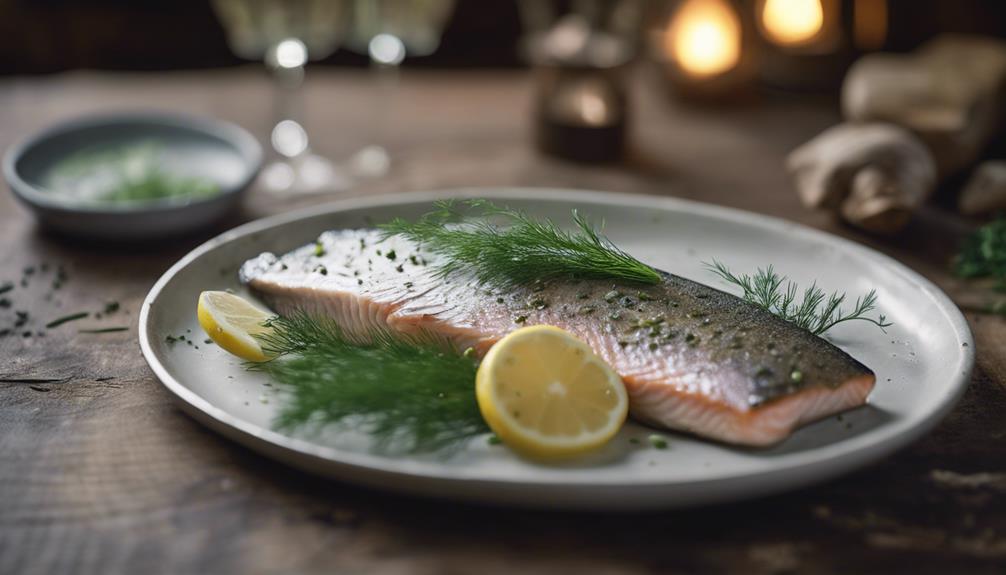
pixel 387 31
pixel 286 34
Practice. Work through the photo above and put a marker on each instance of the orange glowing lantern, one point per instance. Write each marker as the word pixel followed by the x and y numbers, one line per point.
pixel 704 38
pixel 800 25
pixel 713 47
pixel 810 43
pixel 792 22
pixel 703 45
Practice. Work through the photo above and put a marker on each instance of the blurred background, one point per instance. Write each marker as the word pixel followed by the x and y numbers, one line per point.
pixel 44 36
pixel 384 95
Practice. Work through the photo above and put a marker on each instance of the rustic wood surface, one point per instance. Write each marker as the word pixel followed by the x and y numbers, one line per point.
pixel 101 473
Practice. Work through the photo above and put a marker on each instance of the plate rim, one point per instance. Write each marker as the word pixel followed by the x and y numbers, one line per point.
pixel 793 474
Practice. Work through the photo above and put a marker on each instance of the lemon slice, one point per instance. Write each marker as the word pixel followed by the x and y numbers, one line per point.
pixel 546 394
pixel 232 322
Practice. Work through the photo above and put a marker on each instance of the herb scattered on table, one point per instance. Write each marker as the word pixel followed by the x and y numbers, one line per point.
pixel 410 395
pixel 507 247
pixel 67 318
pixel 983 255
pixel 994 308
pixel 814 311
pixel 104 330
pixel 60 279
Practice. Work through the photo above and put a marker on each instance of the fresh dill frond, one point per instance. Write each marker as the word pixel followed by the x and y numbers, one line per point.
pixel 411 395
pixel 507 247
pixel 983 253
pixel 812 310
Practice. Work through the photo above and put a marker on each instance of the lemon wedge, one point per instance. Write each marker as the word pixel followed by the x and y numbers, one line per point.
pixel 547 395
pixel 232 322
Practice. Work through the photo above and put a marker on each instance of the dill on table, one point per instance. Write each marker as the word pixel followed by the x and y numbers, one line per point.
pixel 814 310
pixel 66 318
pixel 507 247
pixel 410 395
pixel 983 253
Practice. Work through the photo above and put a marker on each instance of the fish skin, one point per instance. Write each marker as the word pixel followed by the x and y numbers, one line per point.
pixel 693 358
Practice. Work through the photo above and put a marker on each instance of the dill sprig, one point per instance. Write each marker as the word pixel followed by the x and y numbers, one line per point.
pixel 411 395
pixel 507 247
pixel 815 311
pixel 983 253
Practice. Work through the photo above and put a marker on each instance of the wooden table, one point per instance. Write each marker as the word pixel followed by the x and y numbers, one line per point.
pixel 101 473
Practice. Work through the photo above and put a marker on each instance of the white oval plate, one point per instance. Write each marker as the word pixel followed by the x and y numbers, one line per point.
pixel 923 362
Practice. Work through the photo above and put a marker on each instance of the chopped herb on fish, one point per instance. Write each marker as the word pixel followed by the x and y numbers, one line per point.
pixel 522 252
pixel 815 311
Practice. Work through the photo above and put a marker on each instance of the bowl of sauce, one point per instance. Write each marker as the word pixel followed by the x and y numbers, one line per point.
pixel 133 176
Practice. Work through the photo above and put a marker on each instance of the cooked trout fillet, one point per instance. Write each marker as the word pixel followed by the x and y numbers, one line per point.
pixel 693 358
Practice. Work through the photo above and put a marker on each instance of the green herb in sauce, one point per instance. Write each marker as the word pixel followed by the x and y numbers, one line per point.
pixel 127 173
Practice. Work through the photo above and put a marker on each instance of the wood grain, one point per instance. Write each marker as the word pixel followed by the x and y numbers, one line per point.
pixel 101 473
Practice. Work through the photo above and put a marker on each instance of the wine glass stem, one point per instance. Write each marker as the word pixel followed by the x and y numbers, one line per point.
pixel 286 62
pixel 386 77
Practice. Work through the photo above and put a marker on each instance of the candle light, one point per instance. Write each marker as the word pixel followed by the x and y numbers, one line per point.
pixel 806 44
pixel 792 22
pixel 703 48
pixel 704 37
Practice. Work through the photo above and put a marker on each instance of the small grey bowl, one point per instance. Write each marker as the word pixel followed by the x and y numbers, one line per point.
pixel 217 151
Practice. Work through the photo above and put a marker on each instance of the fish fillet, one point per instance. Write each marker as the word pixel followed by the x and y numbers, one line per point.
pixel 693 358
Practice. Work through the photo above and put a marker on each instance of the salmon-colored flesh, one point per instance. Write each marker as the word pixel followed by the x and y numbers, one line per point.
pixel 704 386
